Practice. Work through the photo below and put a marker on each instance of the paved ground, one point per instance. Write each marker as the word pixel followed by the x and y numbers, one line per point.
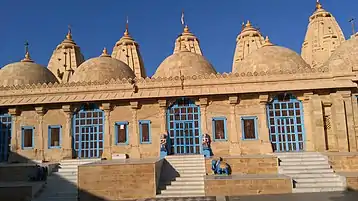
pixel 334 196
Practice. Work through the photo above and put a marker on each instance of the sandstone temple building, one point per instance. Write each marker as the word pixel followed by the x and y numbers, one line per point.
pixel 274 100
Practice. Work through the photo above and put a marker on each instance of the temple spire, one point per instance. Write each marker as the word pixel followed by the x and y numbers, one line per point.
pixel 182 18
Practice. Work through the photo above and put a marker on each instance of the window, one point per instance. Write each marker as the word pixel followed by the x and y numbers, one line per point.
pixel 249 128
pixel 144 130
pixel 219 128
pixel 27 133
pixel 121 129
pixel 54 136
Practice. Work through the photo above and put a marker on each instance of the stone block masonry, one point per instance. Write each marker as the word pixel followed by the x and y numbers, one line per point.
pixel 118 179
pixel 343 161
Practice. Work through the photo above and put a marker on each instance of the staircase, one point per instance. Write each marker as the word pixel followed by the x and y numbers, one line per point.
pixel 182 176
pixel 62 185
pixel 310 172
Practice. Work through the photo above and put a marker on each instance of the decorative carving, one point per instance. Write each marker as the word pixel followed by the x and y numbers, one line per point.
pixel 162 103
pixel 219 167
pixel 203 101
pixel 134 104
pixel 263 98
pixel 106 106
pixel 40 110
pixel 234 99
pixel 14 111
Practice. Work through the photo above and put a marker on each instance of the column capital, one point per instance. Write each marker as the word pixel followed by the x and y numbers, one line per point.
pixel 263 98
pixel 134 104
pixel 203 101
pixel 40 110
pixel 67 109
pixel 162 103
pixel 234 99
pixel 326 103
pixel 345 94
pixel 306 96
pixel 106 106
pixel 14 111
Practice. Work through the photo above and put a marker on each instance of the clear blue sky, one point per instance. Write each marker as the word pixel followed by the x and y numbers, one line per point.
pixel 155 24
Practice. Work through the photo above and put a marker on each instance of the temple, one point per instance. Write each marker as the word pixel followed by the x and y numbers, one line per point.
pixel 273 101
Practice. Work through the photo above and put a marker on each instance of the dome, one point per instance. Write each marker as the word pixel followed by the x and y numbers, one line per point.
pixel 185 63
pixel 273 59
pixel 345 57
pixel 25 72
pixel 102 68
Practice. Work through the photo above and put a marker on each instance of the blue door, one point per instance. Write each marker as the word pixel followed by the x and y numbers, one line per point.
pixel 184 127
pixel 88 134
pixel 285 121
pixel 5 136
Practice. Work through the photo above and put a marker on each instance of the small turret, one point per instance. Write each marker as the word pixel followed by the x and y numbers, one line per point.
pixel 66 58
pixel 249 40
pixel 323 36
pixel 187 41
pixel 127 51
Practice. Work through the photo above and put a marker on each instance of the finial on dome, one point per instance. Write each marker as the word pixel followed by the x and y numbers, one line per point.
pixel 353 26
pixel 267 42
pixel 243 26
pixel 182 18
pixel 126 33
pixel 186 29
pixel 69 33
pixel 318 5
pixel 248 24
pixel 27 54
pixel 104 53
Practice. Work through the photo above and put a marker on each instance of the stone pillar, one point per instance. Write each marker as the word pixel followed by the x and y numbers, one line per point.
pixel 234 134
pixel 203 117
pixel 107 153
pixel 162 115
pixel 355 114
pixel 330 138
pixel 15 135
pixel 339 121
pixel 134 135
pixel 308 120
pixel 66 143
pixel 39 134
pixel 318 124
pixel 263 132
pixel 352 142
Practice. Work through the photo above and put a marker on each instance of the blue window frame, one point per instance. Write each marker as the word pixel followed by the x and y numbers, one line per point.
pixel 121 133
pixel 219 129
pixel 144 130
pixel 249 128
pixel 27 137
pixel 54 136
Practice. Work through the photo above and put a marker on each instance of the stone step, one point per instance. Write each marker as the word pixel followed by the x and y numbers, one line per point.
pixel 302 159
pixel 67 170
pixel 186 159
pixel 193 177
pixel 302 171
pixel 319 185
pixel 317 179
pixel 298 163
pixel 183 192
pixel 314 190
pixel 192 162
pixel 182 182
pixel 185 187
pixel 180 195
pixel 313 175
pixel 182 164
pixel 197 168
pixel 190 172
pixel 306 167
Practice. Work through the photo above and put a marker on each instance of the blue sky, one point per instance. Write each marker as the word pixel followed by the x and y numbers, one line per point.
pixel 155 24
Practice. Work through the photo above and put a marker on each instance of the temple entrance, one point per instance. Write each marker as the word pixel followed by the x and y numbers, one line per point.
pixel 285 121
pixel 5 136
pixel 88 132
pixel 184 127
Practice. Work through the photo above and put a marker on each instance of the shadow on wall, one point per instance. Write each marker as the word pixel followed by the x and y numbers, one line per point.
pixel 24 180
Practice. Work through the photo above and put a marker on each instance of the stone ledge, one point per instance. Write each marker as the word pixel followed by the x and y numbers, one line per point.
pixel 123 162
pixel 351 180
pixel 246 176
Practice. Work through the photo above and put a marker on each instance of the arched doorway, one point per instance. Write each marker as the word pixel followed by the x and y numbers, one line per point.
pixel 183 121
pixel 5 136
pixel 88 135
pixel 285 121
